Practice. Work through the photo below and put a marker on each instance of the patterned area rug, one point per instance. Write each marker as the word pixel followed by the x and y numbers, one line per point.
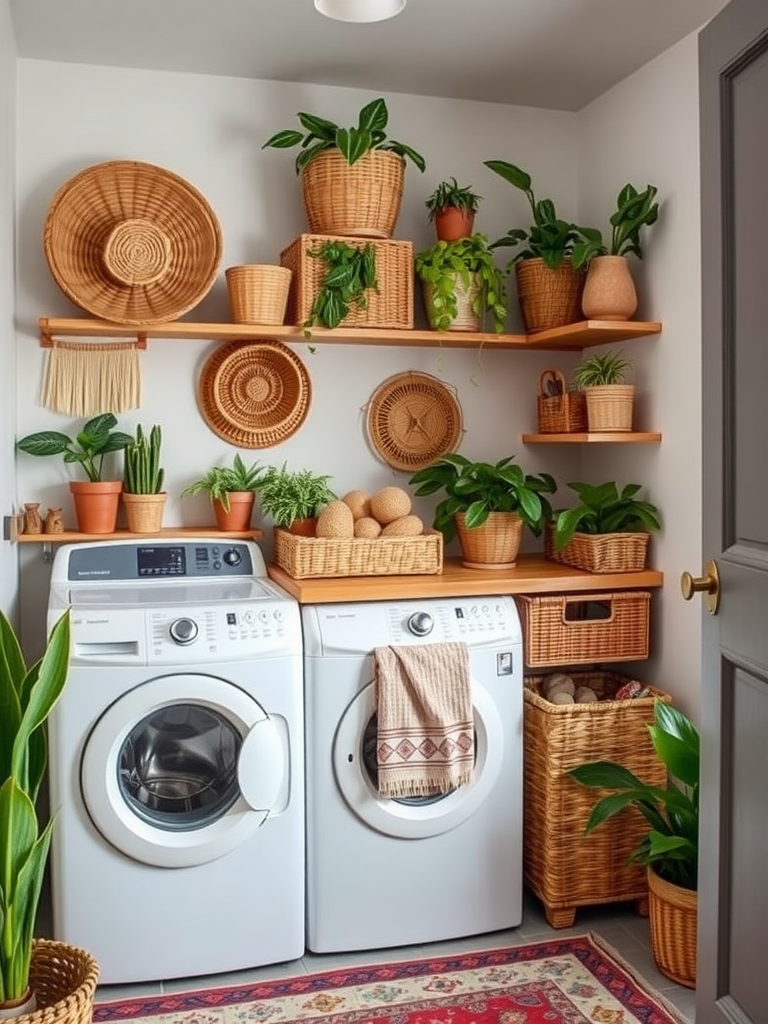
pixel 577 980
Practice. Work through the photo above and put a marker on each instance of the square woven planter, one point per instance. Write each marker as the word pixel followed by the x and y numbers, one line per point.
pixel 306 557
pixel 565 868
pixel 390 306
pixel 600 552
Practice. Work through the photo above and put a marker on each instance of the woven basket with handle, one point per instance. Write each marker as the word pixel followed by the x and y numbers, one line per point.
pixel 560 411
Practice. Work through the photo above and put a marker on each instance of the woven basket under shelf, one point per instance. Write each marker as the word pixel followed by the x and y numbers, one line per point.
pixel 565 868
pixel 305 557
pixel 64 980
pixel 562 413
pixel 258 293
pixel 362 199
pixel 600 552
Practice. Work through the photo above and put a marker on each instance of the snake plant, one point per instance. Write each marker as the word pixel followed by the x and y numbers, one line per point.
pixel 143 474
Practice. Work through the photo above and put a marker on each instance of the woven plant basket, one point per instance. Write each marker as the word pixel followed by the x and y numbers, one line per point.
pixel 548 298
pixel 258 293
pixel 494 545
pixel 581 629
pixel 303 557
pixel 360 200
pixel 64 980
pixel 564 412
pixel 601 552
pixel 566 868
pixel 609 407
pixel 144 512
pixel 674 923
pixel 466 319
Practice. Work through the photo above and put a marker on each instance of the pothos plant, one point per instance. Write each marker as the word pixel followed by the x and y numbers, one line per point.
pixel 350 273
pixel 465 260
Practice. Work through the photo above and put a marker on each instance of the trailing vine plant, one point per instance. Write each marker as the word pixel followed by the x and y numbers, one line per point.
pixel 351 271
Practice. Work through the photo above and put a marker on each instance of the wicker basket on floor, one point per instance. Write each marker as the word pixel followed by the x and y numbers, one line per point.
pixel 64 980
pixel 565 868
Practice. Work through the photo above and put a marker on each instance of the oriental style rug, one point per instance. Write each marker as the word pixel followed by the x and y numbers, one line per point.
pixel 574 980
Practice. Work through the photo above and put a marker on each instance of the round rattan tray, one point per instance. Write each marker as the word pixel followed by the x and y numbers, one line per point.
pixel 132 243
pixel 254 394
pixel 413 420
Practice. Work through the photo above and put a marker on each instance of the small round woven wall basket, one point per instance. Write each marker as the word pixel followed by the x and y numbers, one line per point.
pixel 132 243
pixel 254 394
pixel 413 420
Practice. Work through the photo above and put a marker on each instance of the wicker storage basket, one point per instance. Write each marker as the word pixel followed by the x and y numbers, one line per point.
pixel 362 199
pixel 565 868
pixel 144 512
pixel 390 306
pixel 674 924
pixel 609 407
pixel 564 412
pixel 258 293
pixel 548 298
pixel 304 557
pixel 64 980
pixel 600 552
pixel 581 629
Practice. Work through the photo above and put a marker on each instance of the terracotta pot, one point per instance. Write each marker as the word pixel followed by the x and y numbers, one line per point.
pixel 303 527
pixel 452 223
pixel 673 915
pixel 609 290
pixel 96 504
pixel 144 512
pixel 240 510
pixel 494 545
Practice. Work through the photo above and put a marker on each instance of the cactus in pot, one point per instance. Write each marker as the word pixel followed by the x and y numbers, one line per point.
pixel 143 494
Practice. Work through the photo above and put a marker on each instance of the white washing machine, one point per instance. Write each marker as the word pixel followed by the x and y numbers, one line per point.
pixel 383 872
pixel 176 761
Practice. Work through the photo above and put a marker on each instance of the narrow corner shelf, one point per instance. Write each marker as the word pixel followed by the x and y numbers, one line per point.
pixel 12 533
pixel 604 437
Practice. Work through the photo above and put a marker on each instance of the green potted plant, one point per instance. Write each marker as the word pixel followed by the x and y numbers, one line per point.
pixel 350 272
pixel 607 531
pixel 143 494
pixel 602 377
pixel 452 208
pixel 462 284
pixel 487 505
pixel 96 500
pixel 549 287
pixel 232 491
pixel 27 696
pixel 669 850
pixel 293 498
pixel 609 290
pixel 352 178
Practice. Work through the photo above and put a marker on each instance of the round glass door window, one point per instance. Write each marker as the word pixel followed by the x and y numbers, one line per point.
pixel 177 767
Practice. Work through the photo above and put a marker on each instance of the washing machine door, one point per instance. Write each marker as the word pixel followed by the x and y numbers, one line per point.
pixel 354 761
pixel 182 769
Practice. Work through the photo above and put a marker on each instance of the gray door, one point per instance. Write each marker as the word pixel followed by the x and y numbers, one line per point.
pixel 733 886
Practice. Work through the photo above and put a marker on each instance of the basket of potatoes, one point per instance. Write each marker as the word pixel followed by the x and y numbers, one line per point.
pixel 363 534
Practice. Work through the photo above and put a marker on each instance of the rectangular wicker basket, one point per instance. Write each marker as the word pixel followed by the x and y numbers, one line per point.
pixel 564 412
pixel 304 557
pixel 565 868
pixel 390 306
pixel 599 552
pixel 581 629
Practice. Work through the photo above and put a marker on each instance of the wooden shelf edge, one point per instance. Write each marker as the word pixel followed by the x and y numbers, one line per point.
pixel 167 532
pixel 574 336
pixel 617 437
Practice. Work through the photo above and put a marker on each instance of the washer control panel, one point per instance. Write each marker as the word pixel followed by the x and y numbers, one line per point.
pixel 158 560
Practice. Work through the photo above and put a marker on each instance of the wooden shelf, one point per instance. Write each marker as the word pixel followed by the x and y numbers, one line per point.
pixel 604 437
pixel 533 574
pixel 574 336
pixel 167 532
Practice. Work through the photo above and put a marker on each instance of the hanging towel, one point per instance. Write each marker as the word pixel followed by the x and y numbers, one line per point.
pixel 425 740
pixel 85 378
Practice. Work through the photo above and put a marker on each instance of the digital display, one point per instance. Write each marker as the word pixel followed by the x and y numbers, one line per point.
pixel 161 561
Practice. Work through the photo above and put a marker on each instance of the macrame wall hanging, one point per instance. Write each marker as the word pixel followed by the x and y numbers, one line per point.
pixel 87 378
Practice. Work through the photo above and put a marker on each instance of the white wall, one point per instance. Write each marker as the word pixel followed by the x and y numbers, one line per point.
pixel 646 130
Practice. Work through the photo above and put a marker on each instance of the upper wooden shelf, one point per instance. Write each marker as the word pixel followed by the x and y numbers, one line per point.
pixel 575 336
pixel 601 437
pixel 167 532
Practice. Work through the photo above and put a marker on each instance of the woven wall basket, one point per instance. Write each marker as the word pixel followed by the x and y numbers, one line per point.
pixel 254 394
pixel 132 243
pixel 362 199
pixel 548 298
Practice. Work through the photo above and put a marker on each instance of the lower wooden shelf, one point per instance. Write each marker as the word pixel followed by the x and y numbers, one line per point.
pixel 74 537
pixel 603 437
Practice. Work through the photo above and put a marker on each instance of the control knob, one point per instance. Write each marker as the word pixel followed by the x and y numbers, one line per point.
pixel 184 631
pixel 232 556
pixel 421 623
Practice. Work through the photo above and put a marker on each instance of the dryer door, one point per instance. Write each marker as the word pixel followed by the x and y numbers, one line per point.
pixel 354 760
pixel 182 769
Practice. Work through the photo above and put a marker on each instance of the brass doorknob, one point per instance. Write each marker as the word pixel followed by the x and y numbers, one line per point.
pixel 709 585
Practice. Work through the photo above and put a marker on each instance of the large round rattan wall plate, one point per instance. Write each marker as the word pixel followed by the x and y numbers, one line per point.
pixel 132 243
pixel 254 394
pixel 413 420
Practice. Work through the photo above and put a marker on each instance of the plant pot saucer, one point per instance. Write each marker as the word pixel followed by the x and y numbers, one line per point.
pixel 488 565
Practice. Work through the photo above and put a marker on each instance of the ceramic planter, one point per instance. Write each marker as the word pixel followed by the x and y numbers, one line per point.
pixel 453 223
pixel 466 319
pixel 609 290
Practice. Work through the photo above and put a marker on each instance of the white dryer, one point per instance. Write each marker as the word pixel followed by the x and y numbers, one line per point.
pixel 382 872
pixel 176 761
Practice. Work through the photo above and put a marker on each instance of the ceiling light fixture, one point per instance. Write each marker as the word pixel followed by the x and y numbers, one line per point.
pixel 360 10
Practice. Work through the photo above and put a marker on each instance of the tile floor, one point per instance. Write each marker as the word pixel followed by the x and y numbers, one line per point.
pixel 618 925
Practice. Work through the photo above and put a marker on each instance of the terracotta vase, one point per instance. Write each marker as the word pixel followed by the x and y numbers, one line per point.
pixel 453 223
pixel 96 504
pixel 609 290
pixel 238 518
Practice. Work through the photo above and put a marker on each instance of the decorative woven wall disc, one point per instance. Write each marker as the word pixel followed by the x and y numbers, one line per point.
pixel 132 243
pixel 413 419
pixel 254 394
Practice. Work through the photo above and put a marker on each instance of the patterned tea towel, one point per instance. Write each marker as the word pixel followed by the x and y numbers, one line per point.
pixel 425 741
